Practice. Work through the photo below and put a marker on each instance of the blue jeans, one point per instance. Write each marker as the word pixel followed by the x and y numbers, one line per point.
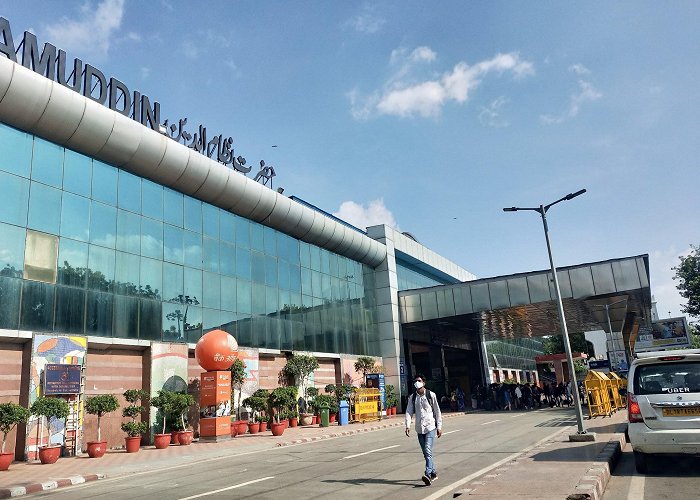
pixel 426 444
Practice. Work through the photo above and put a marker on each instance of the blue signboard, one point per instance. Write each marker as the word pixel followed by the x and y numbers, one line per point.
pixel 602 365
pixel 376 381
pixel 61 379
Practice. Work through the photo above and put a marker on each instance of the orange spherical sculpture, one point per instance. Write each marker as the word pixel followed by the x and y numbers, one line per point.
pixel 216 350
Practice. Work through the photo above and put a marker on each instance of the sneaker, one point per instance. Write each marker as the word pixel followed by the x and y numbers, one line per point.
pixel 426 479
pixel 433 477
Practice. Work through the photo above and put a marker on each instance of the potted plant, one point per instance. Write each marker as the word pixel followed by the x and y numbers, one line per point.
pixel 51 409
pixel 262 419
pixel 164 403
pixel 278 402
pixel 365 365
pixel 307 417
pixel 391 399
pixel 99 405
pixel 181 403
pixel 234 426
pixel 257 403
pixel 237 379
pixel 11 414
pixel 300 367
pixel 133 429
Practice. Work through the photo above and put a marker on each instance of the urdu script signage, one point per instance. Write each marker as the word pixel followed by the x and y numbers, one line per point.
pixel 92 83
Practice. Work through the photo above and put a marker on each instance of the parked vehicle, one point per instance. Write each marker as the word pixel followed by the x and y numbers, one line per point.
pixel 663 405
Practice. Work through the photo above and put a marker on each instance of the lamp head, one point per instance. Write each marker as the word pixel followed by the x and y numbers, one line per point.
pixel 510 209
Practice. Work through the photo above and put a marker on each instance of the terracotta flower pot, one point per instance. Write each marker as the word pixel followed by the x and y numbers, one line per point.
pixel 96 449
pixel 162 441
pixel 185 437
pixel 293 422
pixel 242 427
pixel 277 428
pixel 49 454
pixel 263 426
pixel 254 427
pixel 306 419
pixel 393 410
pixel 286 423
pixel 331 418
pixel 315 420
pixel 133 443
pixel 5 460
pixel 234 429
pixel 175 437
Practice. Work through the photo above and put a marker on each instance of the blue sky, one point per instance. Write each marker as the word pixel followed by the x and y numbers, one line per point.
pixel 432 116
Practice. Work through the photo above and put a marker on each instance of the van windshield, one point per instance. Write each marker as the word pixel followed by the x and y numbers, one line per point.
pixel 667 378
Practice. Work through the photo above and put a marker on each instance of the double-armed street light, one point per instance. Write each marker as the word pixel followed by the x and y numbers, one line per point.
pixel 542 210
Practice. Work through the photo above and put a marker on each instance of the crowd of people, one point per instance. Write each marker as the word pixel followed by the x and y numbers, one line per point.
pixel 523 396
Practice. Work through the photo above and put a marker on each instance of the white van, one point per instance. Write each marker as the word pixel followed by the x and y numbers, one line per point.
pixel 663 404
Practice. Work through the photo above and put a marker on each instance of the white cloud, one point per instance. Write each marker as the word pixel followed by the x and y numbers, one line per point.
pixel 663 286
pixel 586 93
pixel 491 115
pixel 366 21
pixel 362 217
pixel 91 34
pixel 145 72
pixel 406 94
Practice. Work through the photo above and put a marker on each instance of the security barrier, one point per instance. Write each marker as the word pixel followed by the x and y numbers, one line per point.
pixel 619 386
pixel 598 387
pixel 368 405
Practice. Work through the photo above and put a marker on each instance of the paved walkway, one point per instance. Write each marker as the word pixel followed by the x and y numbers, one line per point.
pixel 554 468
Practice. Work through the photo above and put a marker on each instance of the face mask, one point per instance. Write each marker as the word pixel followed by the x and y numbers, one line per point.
pixel 418 384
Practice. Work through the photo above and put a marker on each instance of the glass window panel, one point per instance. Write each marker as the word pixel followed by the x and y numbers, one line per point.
pixel 258 267
pixel 150 317
pixel 284 302
pixel 70 310
pixel 480 298
pixel 316 288
pixel 14 192
pixel 15 150
pixel 173 317
pixel 243 232
pixel 270 241
pixel 126 317
pixel 517 290
pixel 47 163
pixel 227 259
pixel 151 279
pixel 257 239
pixel 151 238
pixel 243 297
pixel 295 278
pixel 271 300
pixel 77 173
pixel 210 320
pixel 603 280
pixel 228 293
pixel 193 325
pixel 172 207
pixel 498 292
pixel 334 265
pixel 104 183
pixel 75 217
pixel 41 257
pixel 172 281
pixel 293 250
pixel 243 263
pixel 227 229
pixel 44 208
pixel 210 222
pixel 270 271
pixel 101 262
pixel 305 254
pixel 152 199
pixel 210 255
pixel 126 274
pixel 193 285
pixel 128 232
pixel 228 323
pixel 193 249
pixel 103 224
pixel 538 286
pixel 258 299
pixel 172 244
pixel 129 193
pixel 625 274
pixel 325 286
pixel 211 292
pixel 193 214
pixel 12 239
pixel 581 282
pixel 315 257
pixel 98 318
pixel 306 287
pixel 642 272
pixel 72 263
pixel 10 291
pixel 564 285
pixel 283 274
pixel 37 306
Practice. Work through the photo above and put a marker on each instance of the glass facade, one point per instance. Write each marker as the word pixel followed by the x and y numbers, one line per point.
pixel 89 248
pixel 410 277
pixel 518 354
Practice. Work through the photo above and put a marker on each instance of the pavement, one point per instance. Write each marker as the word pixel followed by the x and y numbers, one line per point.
pixel 551 468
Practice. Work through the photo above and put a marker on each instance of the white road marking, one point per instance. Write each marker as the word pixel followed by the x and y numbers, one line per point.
pixel 450 487
pixel 450 432
pixel 227 489
pixel 372 451
pixel 517 415
pixel 490 422
pixel 636 487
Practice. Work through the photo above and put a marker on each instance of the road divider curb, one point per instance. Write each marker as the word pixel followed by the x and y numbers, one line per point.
pixel 593 483
pixel 28 489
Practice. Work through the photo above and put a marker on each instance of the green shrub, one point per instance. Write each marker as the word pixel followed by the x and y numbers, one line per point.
pixel 50 408
pixel 11 414
pixel 99 405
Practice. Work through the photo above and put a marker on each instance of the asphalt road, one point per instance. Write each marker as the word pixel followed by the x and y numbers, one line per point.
pixel 668 477
pixel 377 464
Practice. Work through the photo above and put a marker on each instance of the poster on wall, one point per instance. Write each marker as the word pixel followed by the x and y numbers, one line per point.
pixel 47 351
pixel 168 372
pixel 665 333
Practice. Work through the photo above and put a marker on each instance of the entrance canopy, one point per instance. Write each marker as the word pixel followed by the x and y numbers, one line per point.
pixel 524 305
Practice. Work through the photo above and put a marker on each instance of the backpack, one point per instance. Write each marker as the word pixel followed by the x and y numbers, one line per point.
pixel 428 395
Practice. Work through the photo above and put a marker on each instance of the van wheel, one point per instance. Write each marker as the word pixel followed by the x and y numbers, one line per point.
pixel 641 462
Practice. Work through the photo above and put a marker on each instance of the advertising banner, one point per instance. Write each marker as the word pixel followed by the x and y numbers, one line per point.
pixel 665 333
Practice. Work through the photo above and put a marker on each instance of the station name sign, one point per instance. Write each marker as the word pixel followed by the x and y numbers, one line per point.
pixel 92 83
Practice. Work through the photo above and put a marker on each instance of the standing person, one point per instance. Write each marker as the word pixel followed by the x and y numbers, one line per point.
pixel 518 397
pixel 423 403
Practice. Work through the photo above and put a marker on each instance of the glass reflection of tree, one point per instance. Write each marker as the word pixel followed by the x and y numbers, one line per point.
pixel 180 316
pixel 10 272
pixel 75 276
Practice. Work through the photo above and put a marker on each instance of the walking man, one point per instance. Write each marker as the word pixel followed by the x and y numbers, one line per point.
pixel 424 404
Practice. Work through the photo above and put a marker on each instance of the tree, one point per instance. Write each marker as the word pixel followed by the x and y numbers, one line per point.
pixel 554 344
pixel 694 337
pixel 133 411
pixel 237 378
pixel 365 365
pixel 51 409
pixel 688 276
pixel 164 401
pixel 11 414
pixel 99 405
pixel 301 366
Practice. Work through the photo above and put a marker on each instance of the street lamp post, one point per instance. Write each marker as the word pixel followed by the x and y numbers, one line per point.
pixel 581 435
pixel 612 338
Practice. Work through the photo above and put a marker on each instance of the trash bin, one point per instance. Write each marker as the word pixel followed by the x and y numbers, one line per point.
pixel 344 413
pixel 325 416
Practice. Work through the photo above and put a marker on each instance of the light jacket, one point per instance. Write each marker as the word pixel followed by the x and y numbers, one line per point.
pixel 424 423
